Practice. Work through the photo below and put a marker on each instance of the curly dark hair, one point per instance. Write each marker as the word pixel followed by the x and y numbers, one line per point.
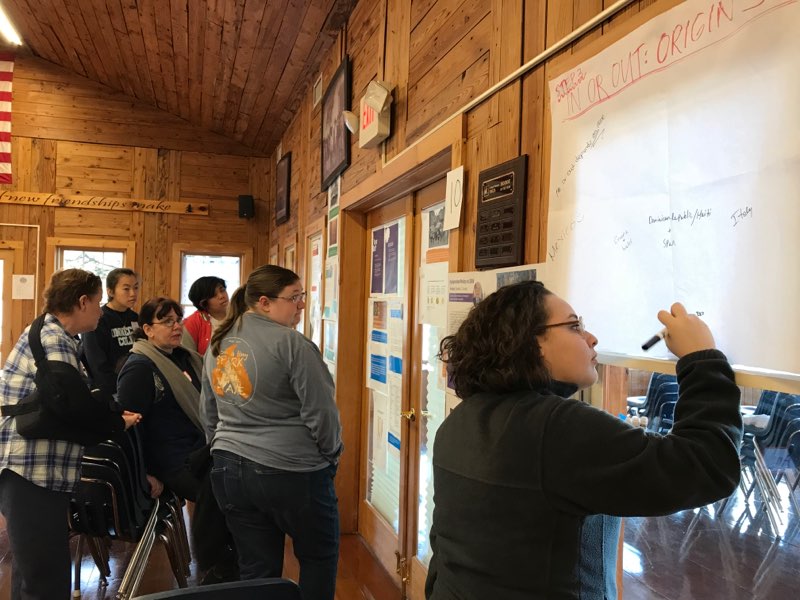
pixel 496 349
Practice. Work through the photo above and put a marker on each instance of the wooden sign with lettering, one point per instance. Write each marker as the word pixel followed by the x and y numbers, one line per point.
pixel 104 203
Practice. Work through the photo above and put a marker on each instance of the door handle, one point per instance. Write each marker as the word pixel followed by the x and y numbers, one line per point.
pixel 408 414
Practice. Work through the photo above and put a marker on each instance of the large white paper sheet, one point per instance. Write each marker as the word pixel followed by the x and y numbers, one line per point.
pixel 675 175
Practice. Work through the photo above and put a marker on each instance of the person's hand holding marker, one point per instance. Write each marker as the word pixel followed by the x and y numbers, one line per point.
pixel 683 333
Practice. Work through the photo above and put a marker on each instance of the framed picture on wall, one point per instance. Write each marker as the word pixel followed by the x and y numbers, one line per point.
pixel 335 138
pixel 282 184
pixel 289 257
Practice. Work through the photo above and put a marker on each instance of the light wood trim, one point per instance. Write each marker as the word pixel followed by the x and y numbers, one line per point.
pixel 393 179
pixel 615 389
pixel 289 242
pixel 245 254
pixel 766 380
pixel 377 532
pixel 14 252
pixel 54 244
pixel 19 198
pixel 313 229
pixel 350 364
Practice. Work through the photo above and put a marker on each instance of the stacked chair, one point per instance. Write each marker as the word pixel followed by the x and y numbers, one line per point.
pixel 767 454
pixel 112 502
pixel 659 403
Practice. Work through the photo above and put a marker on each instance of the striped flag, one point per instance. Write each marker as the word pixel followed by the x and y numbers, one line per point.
pixel 6 75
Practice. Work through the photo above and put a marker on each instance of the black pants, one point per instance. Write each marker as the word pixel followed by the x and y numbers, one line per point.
pixel 36 521
pixel 211 541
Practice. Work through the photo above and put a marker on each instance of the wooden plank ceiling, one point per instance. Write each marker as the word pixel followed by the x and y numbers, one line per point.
pixel 235 67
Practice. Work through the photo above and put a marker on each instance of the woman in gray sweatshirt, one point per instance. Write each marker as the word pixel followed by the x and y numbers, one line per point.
pixel 269 412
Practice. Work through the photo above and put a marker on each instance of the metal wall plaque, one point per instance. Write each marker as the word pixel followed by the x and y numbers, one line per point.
pixel 500 240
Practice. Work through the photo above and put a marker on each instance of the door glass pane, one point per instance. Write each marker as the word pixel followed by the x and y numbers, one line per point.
pixel 314 289
pixel 387 323
pixel 433 265
pixel 99 262
pixel 194 266
pixel 432 401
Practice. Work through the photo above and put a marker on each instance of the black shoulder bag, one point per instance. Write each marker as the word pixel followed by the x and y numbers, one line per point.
pixel 62 407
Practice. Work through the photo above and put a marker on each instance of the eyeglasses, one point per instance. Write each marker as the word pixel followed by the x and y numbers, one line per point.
pixel 576 325
pixel 293 299
pixel 169 322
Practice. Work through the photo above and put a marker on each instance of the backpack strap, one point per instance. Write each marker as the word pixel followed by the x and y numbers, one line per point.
pixel 35 343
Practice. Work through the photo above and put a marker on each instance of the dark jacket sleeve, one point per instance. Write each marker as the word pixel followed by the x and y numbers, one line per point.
pixel 136 390
pixel 595 463
pixel 101 367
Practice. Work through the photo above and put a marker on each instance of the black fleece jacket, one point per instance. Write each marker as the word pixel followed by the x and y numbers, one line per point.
pixel 527 485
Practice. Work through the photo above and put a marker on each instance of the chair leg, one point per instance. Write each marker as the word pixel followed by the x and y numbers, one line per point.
pixel 138 563
pixel 176 510
pixel 175 560
pixel 172 537
pixel 99 552
pixel 76 589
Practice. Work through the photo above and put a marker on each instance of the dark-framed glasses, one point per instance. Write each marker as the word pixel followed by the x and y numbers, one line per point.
pixel 575 324
pixel 169 322
pixel 294 299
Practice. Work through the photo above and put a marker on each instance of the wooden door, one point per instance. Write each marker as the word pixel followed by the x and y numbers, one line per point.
pixel 385 431
pixel 404 382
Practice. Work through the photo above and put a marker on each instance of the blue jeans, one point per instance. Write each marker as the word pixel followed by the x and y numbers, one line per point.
pixel 262 505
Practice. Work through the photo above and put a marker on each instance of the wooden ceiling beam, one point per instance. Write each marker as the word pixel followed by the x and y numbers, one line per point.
pixel 267 37
pixel 231 38
pixel 291 22
pixel 180 52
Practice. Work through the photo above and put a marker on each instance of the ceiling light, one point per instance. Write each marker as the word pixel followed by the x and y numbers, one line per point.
pixel 7 29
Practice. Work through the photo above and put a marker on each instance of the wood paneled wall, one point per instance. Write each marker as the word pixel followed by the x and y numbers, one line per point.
pixel 440 55
pixel 72 136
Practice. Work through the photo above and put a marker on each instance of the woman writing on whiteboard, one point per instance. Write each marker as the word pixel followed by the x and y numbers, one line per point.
pixel 529 485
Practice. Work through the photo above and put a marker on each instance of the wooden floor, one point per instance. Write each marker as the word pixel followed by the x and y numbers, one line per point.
pixel 693 555
pixel 360 577
pixel 708 555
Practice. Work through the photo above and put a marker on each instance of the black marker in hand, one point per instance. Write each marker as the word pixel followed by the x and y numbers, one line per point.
pixel 655 339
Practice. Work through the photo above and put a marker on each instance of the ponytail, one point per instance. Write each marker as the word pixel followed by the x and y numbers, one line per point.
pixel 237 308
pixel 266 280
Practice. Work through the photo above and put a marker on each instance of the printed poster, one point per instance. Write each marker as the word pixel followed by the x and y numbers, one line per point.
pixel 393 248
pixel 377 261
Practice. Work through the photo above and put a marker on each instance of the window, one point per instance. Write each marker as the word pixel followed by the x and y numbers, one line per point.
pixel 191 260
pixel 96 256
pixel 99 262
pixel 194 266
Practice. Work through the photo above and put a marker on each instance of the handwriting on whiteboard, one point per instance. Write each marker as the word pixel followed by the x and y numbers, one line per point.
pixel 562 236
pixel 741 214
pixel 596 136
pixel 581 90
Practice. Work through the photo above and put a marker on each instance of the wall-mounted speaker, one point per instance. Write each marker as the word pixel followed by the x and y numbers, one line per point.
pixel 246 207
